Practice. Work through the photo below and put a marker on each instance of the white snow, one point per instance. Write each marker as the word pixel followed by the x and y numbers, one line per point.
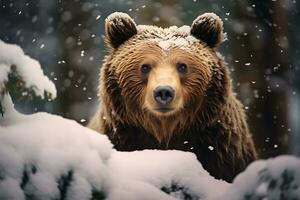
pixel 277 178
pixel 27 68
pixel 156 169
pixel 4 72
pixel 55 146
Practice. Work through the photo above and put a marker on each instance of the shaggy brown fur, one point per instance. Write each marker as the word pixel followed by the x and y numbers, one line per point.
pixel 208 119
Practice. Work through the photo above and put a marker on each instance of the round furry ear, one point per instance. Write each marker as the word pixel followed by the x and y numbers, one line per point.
pixel 208 27
pixel 119 27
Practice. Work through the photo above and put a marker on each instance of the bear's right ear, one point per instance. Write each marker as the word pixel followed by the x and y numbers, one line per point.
pixel 119 27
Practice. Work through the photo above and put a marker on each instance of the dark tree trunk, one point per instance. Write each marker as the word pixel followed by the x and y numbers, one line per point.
pixel 76 26
pixel 260 48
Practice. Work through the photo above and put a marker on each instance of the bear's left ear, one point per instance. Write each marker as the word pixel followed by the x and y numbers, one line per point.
pixel 119 27
pixel 208 27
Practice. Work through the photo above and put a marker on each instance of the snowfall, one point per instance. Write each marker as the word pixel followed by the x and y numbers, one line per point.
pixel 45 156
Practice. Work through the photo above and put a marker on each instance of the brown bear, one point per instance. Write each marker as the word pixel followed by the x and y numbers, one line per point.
pixel 168 88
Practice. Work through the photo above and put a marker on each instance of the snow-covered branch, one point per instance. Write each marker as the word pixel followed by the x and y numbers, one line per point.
pixel 25 72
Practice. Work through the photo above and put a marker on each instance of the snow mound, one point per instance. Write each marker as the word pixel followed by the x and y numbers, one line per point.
pixel 39 153
pixel 45 156
pixel 154 174
pixel 277 179
pixel 14 62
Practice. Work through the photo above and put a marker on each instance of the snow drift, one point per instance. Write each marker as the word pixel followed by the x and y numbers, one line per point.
pixel 48 157
pixel 45 156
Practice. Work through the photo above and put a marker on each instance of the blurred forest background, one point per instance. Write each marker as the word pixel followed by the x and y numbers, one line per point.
pixel 262 51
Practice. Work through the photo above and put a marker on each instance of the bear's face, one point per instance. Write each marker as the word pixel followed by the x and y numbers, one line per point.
pixel 162 74
pixel 165 82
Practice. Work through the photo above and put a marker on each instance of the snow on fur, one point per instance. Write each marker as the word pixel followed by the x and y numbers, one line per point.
pixel 171 37
pixel 117 17
pixel 26 68
pixel 205 16
pixel 179 37
pixel 167 38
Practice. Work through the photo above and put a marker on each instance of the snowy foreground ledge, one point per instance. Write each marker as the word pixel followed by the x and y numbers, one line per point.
pixel 44 156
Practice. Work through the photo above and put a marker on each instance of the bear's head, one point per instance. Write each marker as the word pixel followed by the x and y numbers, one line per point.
pixel 163 79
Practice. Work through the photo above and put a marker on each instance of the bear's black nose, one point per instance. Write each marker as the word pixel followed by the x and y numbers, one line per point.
pixel 163 95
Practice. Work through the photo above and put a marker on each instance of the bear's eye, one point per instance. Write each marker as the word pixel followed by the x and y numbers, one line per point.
pixel 181 67
pixel 145 68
